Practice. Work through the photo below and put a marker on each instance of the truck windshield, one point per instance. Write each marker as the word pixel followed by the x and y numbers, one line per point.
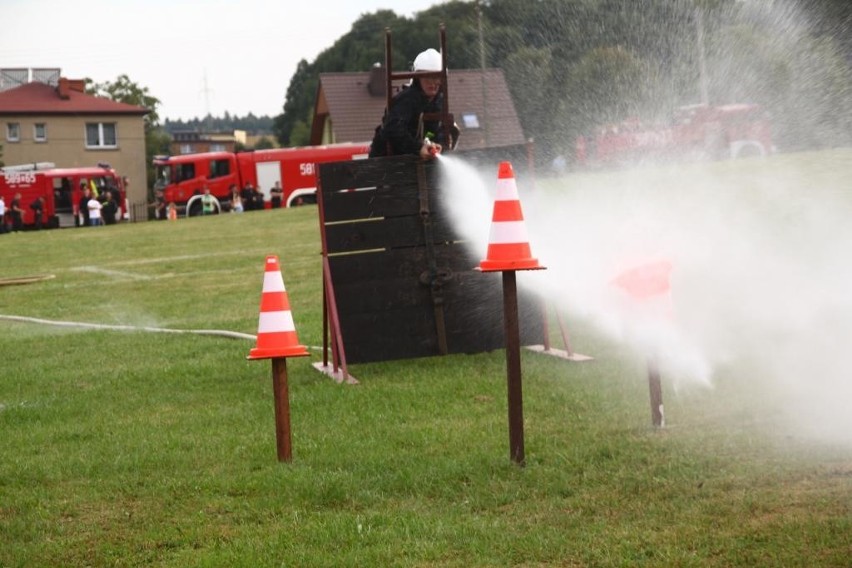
pixel 164 176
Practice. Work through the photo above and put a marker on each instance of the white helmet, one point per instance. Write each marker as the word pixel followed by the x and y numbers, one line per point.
pixel 429 60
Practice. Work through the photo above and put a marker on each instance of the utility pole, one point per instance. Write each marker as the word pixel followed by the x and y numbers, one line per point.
pixel 205 89
pixel 703 83
pixel 485 120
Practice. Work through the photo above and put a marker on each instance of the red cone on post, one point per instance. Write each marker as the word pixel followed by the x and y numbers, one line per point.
pixel 649 284
pixel 276 331
pixel 508 244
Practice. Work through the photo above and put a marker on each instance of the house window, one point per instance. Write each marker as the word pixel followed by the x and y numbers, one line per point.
pixel 470 120
pixel 13 131
pixel 100 135
pixel 186 148
pixel 40 132
pixel 217 147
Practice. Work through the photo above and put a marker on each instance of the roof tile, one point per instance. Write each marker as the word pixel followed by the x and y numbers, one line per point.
pixel 41 98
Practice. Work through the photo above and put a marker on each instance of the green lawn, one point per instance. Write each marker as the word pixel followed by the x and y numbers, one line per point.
pixel 133 448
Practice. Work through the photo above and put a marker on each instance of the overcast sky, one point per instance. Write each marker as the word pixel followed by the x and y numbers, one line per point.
pixel 194 55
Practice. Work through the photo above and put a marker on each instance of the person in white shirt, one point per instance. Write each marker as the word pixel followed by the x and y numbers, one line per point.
pixel 94 206
pixel 2 215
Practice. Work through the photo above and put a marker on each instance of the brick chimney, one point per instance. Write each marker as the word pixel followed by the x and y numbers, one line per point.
pixel 377 86
pixel 65 87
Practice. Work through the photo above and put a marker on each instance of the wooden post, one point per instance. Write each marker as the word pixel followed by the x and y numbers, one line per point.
pixel 514 389
pixel 656 389
pixel 282 409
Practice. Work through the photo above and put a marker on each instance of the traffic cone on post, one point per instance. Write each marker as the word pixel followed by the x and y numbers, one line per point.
pixel 648 284
pixel 509 251
pixel 276 332
pixel 508 244
pixel 277 340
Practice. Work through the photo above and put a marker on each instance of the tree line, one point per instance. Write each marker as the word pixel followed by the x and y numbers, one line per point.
pixel 227 123
pixel 574 65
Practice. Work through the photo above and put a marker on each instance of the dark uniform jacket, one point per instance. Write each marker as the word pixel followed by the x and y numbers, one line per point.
pixel 401 131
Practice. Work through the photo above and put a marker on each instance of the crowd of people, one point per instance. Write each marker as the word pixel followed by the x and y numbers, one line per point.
pixel 11 215
pixel 95 207
pixel 249 198
pixel 98 207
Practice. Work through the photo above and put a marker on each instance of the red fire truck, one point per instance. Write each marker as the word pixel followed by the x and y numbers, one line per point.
pixel 60 188
pixel 183 178
pixel 695 132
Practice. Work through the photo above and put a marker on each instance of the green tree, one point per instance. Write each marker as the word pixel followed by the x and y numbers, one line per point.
pixel 264 143
pixel 124 90
pixel 573 65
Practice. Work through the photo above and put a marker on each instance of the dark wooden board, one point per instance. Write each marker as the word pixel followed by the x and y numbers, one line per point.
pixel 388 277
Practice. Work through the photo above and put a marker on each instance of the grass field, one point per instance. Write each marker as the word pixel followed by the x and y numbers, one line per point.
pixel 133 448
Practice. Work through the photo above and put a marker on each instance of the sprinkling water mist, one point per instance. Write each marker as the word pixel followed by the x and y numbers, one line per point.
pixel 760 280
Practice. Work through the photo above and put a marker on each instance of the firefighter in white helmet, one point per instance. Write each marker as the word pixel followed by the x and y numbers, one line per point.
pixel 403 130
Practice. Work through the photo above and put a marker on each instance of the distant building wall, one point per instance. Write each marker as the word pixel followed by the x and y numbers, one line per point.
pixel 65 145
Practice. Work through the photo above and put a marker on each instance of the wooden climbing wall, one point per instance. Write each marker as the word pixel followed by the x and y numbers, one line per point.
pixel 402 282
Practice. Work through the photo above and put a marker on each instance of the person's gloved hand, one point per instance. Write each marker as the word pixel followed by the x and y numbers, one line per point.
pixel 429 149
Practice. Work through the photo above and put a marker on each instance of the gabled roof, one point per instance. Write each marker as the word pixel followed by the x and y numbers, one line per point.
pixel 40 98
pixel 355 112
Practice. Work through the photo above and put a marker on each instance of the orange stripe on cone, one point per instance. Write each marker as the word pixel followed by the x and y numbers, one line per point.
pixel 508 244
pixel 276 332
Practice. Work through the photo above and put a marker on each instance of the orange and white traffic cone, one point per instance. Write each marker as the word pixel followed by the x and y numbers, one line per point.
pixel 276 332
pixel 648 284
pixel 508 244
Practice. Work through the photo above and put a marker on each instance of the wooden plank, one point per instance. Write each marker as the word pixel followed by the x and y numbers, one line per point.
pixel 383 233
pixel 365 297
pixel 392 171
pixel 382 201
pixel 398 262
pixel 389 335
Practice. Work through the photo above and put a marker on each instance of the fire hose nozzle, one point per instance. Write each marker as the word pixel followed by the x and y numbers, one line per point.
pixel 433 149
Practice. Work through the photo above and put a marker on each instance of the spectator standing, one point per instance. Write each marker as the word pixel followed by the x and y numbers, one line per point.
pixel 38 212
pixel 247 194
pixel 159 205
pixel 277 194
pixel 94 206
pixel 109 209
pixel 83 205
pixel 236 200
pixel 3 228
pixel 208 202
pixel 17 213
pixel 259 203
